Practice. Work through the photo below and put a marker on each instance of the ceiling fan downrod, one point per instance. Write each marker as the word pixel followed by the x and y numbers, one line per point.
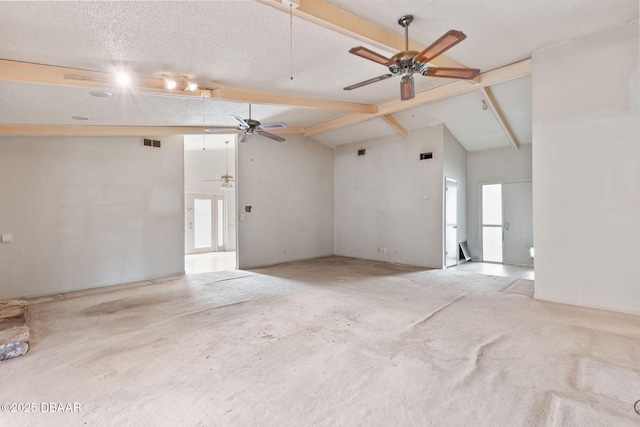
pixel 404 22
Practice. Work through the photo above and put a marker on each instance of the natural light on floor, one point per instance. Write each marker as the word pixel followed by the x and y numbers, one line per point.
pixel 209 262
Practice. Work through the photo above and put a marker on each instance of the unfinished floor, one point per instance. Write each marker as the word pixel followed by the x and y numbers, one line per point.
pixel 333 341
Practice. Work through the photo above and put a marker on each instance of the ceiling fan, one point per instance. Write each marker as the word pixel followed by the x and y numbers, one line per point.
pixel 407 62
pixel 226 179
pixel 249 126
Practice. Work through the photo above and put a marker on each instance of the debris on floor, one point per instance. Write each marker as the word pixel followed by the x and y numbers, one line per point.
pixel 14 333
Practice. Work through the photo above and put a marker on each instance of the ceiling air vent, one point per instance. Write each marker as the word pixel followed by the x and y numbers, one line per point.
pixel 426 156
pixel 362 152
pixel 148 142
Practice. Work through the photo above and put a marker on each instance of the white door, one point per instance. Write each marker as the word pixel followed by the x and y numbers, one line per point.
pixel 517 201
pixel 205 219
pixel 451 222
pixel 492 222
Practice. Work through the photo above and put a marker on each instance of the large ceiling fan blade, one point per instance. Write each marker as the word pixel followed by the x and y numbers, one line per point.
pixel 270 126
pixel 437 48
pixel 272 136
pixel 368 82
pixel 241 122
pixel 407 88
pixel 244 137
pixel 452 73
pixel 365 53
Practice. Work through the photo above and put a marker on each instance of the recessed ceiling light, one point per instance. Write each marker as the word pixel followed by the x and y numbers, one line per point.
pixel 100 93
pixel 79 118
pixel 192 86
pixel 170 84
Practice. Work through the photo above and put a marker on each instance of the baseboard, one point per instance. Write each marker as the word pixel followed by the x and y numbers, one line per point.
pixel 568 301
pixel 47 296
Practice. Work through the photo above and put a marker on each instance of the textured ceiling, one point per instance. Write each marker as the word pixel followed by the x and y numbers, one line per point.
pixel 245 44
pixel 475 128
pixel 499 32
pixel 25 103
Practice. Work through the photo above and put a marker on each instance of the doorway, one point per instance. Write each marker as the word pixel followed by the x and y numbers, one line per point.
pixel 507 223
pixel 205 224
pixel 210 237
pixel 451 222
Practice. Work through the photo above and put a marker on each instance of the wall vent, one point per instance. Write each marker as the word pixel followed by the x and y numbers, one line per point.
pixel 148 142
pixel 426 156
pixel 362 152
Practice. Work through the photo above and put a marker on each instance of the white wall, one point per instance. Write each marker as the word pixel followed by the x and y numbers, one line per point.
pixel 496 165
pixel 455 167
pixel 586 170
pixel 289 186
pixel 88 211
pixel 200 165
pixel 389 198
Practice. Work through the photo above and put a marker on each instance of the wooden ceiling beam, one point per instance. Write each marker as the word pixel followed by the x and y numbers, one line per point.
pixel 256 97
pixel 26 72
pixel 64 130
pixel 508 72
pixel 487 94
pixel 329 16
pixel 394 123
pixel 51 75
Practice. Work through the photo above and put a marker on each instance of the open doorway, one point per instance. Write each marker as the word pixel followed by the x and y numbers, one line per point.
pixel 507 223
pixel 210 203
pixel 451 222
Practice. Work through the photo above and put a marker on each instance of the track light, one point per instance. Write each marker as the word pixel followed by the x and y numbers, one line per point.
pixel 170 83
pixel 122 79
pixel 192 86
pixel 189 86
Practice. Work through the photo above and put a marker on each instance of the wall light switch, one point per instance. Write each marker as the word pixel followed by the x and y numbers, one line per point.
pixel 242 217
pixel 6 238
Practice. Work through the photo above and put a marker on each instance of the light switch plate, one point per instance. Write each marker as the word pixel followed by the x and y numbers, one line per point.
pixel 6 238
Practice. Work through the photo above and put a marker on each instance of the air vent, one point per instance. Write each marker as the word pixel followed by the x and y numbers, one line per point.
pixel 362 152
pixel 148 142
pixel 426 156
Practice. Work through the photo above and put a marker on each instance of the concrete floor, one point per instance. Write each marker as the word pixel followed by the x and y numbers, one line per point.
pixel 209 262
pixel 493 269
pixel 334 341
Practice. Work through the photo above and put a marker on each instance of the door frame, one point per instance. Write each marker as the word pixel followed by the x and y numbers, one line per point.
pixel 189 235
pixel 444 250
pixel 480 225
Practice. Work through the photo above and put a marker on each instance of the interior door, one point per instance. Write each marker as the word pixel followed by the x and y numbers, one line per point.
pixel 517 201
pixel 204 221
pixel 492 225
pixel 451 222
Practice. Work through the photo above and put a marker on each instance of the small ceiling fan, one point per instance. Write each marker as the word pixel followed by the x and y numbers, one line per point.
pixel 249 126
pixel 407 62
pixel 226 179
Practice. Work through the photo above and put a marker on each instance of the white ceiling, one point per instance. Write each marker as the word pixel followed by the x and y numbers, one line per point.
pixel 209 142
pixel 245 44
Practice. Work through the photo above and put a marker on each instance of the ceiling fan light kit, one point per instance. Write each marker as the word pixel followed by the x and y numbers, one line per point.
pixel 226 179
pixel 408 62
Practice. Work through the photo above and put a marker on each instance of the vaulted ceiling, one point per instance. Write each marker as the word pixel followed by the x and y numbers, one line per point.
pixel 247 51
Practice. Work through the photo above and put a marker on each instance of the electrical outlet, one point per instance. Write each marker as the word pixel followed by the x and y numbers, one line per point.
pixel 382 249
pixel 6 238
